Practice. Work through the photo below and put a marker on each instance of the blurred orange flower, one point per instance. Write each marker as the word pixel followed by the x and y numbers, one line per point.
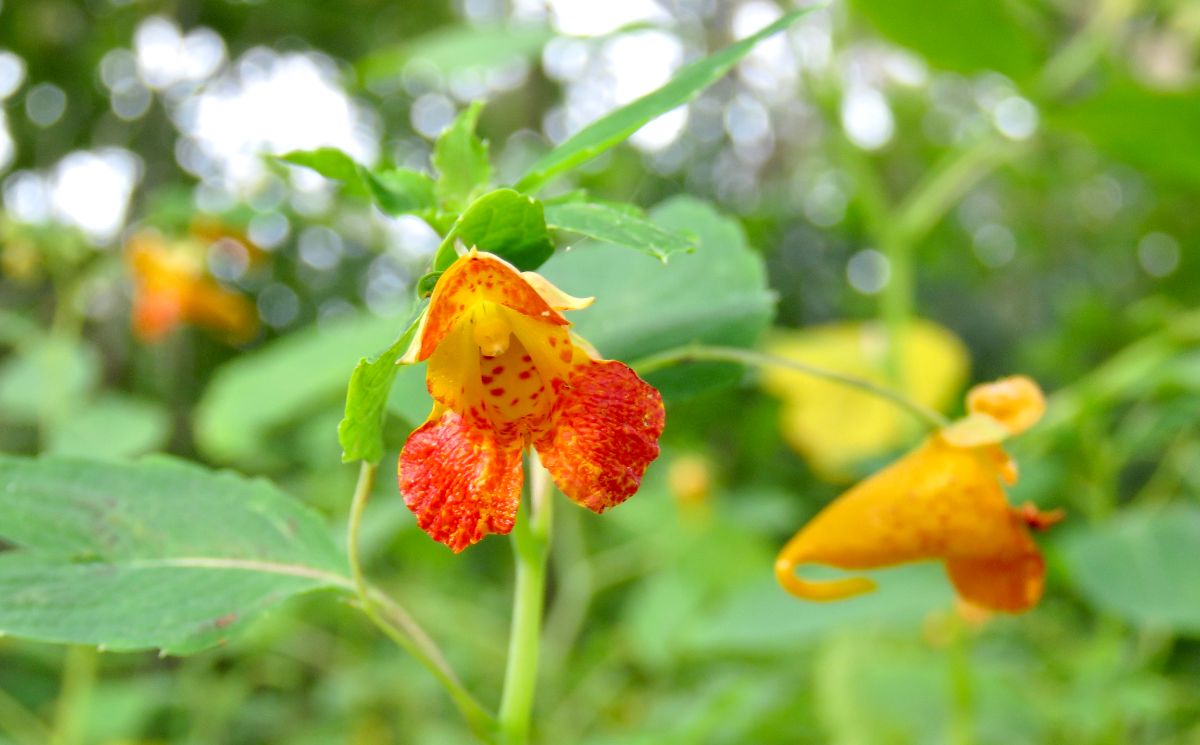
pixel 172 287
pixel 505 374
pixel 944 501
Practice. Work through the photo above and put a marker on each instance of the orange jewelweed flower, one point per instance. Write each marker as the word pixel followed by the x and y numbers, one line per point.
pixel 172 287
pixel 506 374
pixel 944 501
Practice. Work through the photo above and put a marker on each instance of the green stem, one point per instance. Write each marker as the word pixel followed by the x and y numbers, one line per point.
pixel 79 677
pixel 751 358
pixel 531 544
pixel 962 719
pixel 1080 53
pixel 400 627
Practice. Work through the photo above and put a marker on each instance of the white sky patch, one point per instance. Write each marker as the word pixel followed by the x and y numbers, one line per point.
pixel 166 57
pixel 12 73
pixel 8 149
pixel 91 190
pixel 867 118
pixel 271 104
pixel 635 64
pixel 599 17
pixel 770 67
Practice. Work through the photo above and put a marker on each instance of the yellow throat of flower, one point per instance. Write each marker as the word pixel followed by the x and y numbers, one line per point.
pixel 490 329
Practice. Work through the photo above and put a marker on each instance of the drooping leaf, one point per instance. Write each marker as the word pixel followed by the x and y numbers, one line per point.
pixel 716 295
pixel 617 126
pixel 986 35
pixel 330 162
pixel 156 554
pixel 461 160
pixel 456 48
pixel 251 397
pixel 112 426
pixel 398 191
pixel 361 429
pixel 1154 130
pixel 1141 566
pixel 503 222
pixel 617 226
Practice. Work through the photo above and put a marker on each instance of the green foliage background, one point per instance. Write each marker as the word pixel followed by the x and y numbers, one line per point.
pixel 664 621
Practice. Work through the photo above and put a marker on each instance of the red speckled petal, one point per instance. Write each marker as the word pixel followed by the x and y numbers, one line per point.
pixel 460 481
pixel 472 279
pixel 606 432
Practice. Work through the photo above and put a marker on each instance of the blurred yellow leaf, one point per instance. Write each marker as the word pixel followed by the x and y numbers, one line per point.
pixel 834 426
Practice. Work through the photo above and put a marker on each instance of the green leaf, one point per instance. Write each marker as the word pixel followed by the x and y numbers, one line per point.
pixel 1154 130
pixel 961 35
pixel 398 191
pixel 160 553
pixel 616 127
pixel 327 161
pixel 15 328
pixel 429 280
pixel 461 160
pixel 409 398
pixel 621 227
pixel 252 397
pixel 456 48
pixel 503 222
pixel 717 295
pixel 1141 566
pixel 48 377
pixel 361 429
pixel 112 426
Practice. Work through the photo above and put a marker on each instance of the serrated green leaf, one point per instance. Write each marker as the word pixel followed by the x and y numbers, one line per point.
pixel 157 554
pixel 461 160
pixel 457 48
pixel 504 222
pixel 968 35
pixel 1141 566
pixel 398 191
pixel 361 429
pixel 327 161
pixel 252 397
pixel 717 295
pixel 617 226
pixel 616 127
pixel 112 426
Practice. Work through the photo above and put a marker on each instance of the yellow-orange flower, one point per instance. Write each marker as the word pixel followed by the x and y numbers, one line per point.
pixel 172 287
pixel 505 374
pixel 942 501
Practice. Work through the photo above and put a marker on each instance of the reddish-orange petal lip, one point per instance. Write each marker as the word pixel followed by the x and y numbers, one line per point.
pixel 460 481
